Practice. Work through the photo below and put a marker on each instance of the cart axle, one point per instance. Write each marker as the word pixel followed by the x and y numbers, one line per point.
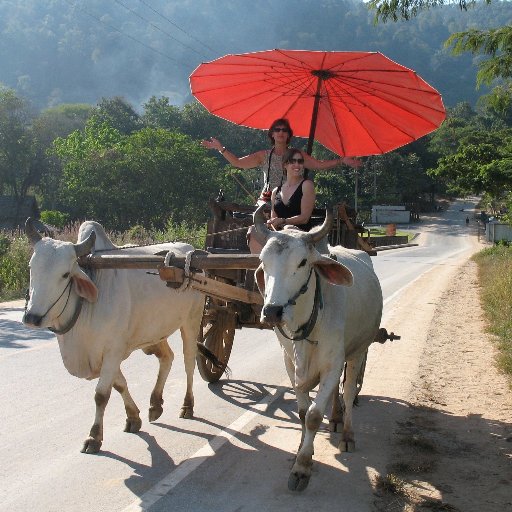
pixel 383 336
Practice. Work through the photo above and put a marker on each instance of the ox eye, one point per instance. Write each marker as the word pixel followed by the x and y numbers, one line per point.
pixel 302 263
pixel 66 275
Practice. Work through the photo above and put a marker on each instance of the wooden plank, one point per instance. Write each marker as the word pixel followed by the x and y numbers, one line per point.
pixel 198 261
pixel 365 246
pixel 211 286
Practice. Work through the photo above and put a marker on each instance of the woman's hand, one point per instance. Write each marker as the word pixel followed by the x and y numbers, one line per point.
pixel 213 143
pixel 276 223
pixel 351 162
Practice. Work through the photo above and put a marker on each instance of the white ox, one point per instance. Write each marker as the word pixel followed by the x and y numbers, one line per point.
pixel 123 310
pixel 326 313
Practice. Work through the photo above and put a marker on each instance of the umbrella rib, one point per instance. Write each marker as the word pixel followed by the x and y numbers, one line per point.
pixel 338 130
pixel 374 83
pixel 387 98
pixel 369 107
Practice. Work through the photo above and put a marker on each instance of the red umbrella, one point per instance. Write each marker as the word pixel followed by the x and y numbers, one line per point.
pixel 354 103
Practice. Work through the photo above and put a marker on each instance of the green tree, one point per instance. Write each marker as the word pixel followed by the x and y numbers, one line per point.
pixel 159 113
pixel 50 124
pixel 480 164
pixel 143 178
pixel 495 43
pixel 21 163
pixel 118 113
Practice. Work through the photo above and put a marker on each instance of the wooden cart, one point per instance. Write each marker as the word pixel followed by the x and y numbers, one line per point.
pixel 226 235
pixel 224 272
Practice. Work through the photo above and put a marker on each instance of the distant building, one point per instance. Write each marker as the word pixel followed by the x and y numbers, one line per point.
pixel 390 214
pixel 496 231
pixel 14 214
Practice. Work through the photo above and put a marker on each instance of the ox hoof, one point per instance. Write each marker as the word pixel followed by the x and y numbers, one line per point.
pixel 298 481
pixel 335 426
pixel 347 446
pixel 155 413
pixel 91 446
pixel 187 412
pixel 133 425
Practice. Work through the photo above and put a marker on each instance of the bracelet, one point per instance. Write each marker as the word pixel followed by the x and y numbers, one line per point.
pixel 223 150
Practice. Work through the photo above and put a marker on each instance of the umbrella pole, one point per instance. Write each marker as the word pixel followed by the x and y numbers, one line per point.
pixel 312 127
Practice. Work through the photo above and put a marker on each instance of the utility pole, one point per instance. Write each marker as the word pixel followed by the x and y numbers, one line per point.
pixel 356 176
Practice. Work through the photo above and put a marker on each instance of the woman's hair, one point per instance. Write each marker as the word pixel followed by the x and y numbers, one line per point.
pixel 280 122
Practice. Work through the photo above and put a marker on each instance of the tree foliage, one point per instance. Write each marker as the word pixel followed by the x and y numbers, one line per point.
pixel 142 178
pixel 480 163
pixel 100 49
pixel 496 43
pixel 406 9
pixel 20 162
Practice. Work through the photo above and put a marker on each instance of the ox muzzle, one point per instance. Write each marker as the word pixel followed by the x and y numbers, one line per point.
pixel 272 314
pixel 31 320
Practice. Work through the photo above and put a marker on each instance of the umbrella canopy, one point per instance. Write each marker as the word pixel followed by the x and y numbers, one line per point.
pixel 353 103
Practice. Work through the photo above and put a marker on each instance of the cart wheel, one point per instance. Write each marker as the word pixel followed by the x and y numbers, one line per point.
pixel 217 333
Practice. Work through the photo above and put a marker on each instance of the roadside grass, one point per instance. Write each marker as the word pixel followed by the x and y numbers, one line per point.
pixel 495 277
pixel 15 249
pixel 15 252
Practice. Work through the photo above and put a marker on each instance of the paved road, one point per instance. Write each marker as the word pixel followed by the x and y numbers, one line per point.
pixel 234 456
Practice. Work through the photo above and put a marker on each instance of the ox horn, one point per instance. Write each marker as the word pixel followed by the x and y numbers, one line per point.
pixel 31 231
pixel 260 232
pixel 85 247
pixel 316 234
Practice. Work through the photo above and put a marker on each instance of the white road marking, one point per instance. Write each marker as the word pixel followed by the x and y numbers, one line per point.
pixel 170 481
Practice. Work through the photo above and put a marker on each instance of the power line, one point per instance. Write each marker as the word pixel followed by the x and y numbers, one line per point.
pixel 158 28
pixel 80 8
pixel 178 27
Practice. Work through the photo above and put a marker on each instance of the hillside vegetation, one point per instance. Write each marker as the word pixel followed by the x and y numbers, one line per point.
pixel 58 51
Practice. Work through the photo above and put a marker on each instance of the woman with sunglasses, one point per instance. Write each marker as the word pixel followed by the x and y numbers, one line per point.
pixel 270 161
pixel 292 202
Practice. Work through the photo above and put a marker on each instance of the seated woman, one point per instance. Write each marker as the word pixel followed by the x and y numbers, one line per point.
pixel 293 201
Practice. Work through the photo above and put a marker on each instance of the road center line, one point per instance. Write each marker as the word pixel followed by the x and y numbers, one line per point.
pixel 170 481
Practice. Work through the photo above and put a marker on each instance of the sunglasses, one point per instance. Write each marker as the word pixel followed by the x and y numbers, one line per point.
pixel 280 130
pixel 295 161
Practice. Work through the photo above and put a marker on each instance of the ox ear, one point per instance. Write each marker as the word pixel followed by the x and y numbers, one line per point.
pixel 334 272
pixel 259 276
pixel 84 286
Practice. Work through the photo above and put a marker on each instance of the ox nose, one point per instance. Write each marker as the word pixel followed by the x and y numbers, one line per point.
pixel 273 314
pixel 31 319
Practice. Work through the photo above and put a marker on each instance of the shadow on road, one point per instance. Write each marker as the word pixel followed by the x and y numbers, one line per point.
pixel 11 336
pixel 252 467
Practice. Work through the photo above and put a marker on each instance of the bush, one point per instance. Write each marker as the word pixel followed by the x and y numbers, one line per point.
pixel 54 218
pixel 182 232
pixel 14 271
pixel 15 250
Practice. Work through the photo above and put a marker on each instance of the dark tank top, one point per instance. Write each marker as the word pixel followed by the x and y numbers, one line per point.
pixel 291 209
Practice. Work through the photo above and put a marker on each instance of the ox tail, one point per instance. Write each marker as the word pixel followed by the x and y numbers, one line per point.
pixel 208 354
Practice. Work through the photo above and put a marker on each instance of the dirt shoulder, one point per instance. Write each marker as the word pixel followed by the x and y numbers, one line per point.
pixel 453 449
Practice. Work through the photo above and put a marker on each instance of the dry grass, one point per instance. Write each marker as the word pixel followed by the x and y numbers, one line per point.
pixel 391 484
pixel 495 276
pixel 15 250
